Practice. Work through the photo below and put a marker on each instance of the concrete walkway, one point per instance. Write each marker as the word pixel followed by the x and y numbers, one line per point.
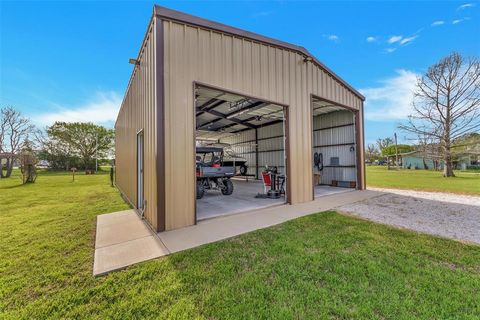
pixel 123 239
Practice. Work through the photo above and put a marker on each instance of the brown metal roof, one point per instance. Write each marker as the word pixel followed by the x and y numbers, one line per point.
pixel 174 15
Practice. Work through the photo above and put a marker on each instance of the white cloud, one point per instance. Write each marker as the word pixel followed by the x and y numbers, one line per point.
pixel 460 20
pixel 394 39
pixel 390 50
pixel 465 6
pixel 392 99
pixel 371 39
pixel 438 23
pixel 408 40
pixel 332 37
pixel 101 109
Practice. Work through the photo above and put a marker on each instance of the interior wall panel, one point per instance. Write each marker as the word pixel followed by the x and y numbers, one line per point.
pixel 336 142
pixel 271 147
pixel 243 144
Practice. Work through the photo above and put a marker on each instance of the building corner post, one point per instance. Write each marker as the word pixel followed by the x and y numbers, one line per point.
pixel 160 121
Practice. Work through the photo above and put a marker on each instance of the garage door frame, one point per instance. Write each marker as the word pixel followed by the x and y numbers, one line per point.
pixel 358 140
pixel 286 111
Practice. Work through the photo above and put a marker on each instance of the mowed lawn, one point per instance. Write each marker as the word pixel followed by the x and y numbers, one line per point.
pixel 321 266
pixel 467 182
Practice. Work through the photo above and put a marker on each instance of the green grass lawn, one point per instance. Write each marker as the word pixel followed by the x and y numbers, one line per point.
pixel 427 180
pixel 321 266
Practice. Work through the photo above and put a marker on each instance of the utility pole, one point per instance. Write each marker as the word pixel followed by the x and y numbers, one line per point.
pixel 396 150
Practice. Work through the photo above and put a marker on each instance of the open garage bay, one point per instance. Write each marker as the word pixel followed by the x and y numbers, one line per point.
pixel 240 153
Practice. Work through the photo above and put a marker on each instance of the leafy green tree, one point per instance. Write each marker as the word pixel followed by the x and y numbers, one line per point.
pixel 468 143
pixel 78 143
pixel 402 148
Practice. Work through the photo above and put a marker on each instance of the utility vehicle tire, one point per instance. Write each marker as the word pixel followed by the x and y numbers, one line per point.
pixel 200 189
pixel 243 170
pixel 228 190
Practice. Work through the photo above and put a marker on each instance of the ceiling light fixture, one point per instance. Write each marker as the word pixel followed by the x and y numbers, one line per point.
pixel 239 104
pixel 233 115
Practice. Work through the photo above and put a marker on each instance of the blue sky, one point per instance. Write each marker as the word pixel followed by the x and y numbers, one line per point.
pixel 69 60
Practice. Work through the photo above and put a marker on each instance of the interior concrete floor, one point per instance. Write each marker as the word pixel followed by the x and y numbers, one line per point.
pixel 214 204
pixel 324 190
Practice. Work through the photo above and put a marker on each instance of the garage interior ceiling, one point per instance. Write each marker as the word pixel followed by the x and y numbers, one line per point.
pixel 220 114
pixel 322 107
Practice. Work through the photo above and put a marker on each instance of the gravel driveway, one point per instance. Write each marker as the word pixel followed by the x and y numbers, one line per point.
pixel 443 214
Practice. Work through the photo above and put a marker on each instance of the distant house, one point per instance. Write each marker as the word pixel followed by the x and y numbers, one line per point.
pixel 465 160
pixel 467 151
pixel 415 160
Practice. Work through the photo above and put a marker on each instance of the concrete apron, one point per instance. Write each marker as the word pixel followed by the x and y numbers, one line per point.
pixel 123 239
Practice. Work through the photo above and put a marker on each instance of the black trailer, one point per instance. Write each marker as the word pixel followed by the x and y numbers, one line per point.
pixel 237 163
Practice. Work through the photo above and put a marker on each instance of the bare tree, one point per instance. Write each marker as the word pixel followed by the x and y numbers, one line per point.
pixel 427 147
pixel 3 130
pixel 371 152
pixel 14 130
pixel 447 103
pixel 384 143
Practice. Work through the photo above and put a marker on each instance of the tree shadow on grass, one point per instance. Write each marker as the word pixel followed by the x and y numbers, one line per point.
pixel 12 187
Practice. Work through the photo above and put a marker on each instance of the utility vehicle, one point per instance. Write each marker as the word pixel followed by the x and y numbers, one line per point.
pixel 211 173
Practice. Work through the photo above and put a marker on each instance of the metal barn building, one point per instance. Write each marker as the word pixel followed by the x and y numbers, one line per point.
pixel 200 83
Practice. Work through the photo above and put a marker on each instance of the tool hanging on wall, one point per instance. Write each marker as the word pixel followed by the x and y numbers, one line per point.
pixel 318 161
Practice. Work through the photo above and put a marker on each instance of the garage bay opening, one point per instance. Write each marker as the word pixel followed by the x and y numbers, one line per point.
pixel 334 148
pixel 240 153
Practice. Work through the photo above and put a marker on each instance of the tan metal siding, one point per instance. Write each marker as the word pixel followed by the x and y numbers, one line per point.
pixel 136 113
pixel 179 126
pixel 244 66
